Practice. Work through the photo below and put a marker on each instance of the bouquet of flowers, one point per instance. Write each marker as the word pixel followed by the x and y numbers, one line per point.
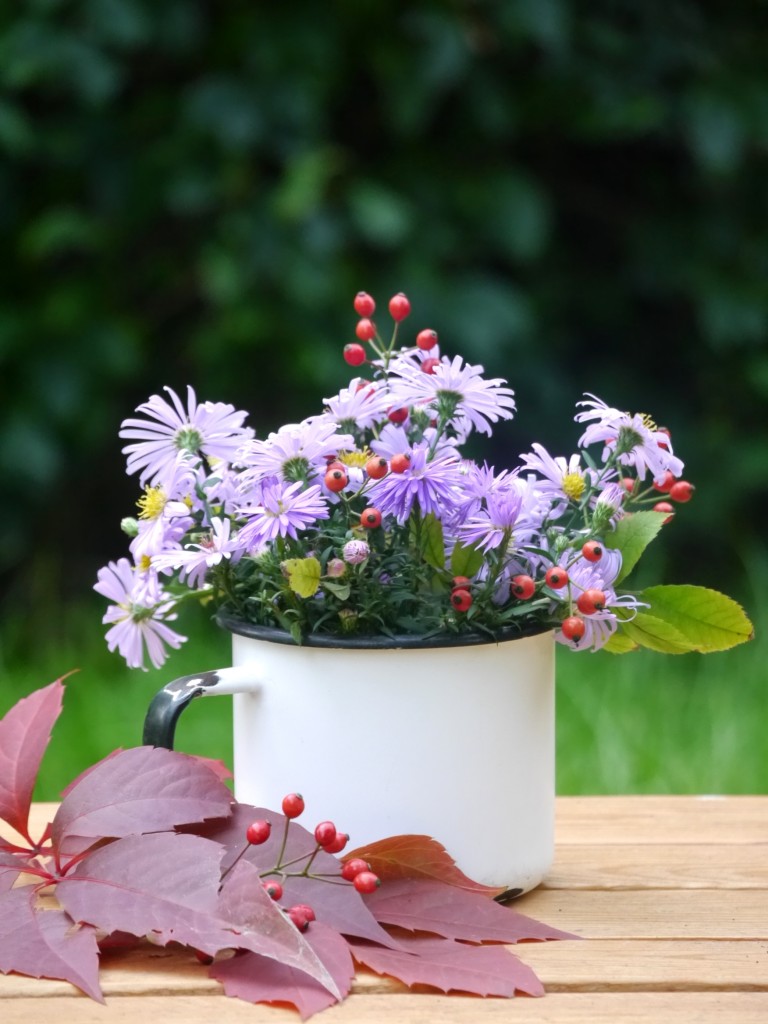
pixel 368 519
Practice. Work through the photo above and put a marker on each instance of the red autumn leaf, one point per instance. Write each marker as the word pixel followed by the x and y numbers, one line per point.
pixel 451 966
pixel 417 857
pixel 339 906
pixel 257 980
pixel 167 885
pixel 144 789
pixel 24 735
pixel 428 906
pixel 46 943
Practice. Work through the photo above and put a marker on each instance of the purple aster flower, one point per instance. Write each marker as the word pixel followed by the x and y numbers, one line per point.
pixel 497 517
pixel 284 510
pixel 137 625
pixel 212 429
pixel 608 506
pixel 196 559
pixel 636 440
pixel 435 486
pixel 360 406
pixel 296 452
pixel 355 552
pixel 560 478
pixel 456 391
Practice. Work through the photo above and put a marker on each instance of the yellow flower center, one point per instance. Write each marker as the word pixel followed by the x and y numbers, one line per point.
pixel 647 421
pixel 145 563
pixel 357 459
pixel 573 486
pixel 151 503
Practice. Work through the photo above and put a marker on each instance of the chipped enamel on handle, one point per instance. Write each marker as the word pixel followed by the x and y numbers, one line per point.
pixel 167 706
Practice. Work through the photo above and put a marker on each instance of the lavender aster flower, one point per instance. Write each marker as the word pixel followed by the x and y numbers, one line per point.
pixel 495 521
pixel 456 390
pixel 359 406
pixel 135 625
pixel 209 429
pixel 561 478
pixel 296 452
pixel 284 510
pixel 636 440
pixel 434 486
pixel 196 559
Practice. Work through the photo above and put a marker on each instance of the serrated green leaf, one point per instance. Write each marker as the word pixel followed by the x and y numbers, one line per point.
pixel 620 643
pixel 340 590
pixel 632 536
pixel 466 560
pixel 303 575
pixel 432 543
pixel 709 620
pixel 656 634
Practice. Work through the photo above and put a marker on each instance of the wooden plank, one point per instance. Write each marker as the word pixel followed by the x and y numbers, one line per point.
pixel 661 819
pixel 660 867
pixel 583 1008
pixel 645 914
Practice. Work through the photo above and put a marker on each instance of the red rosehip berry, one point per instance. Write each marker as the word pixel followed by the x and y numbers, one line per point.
pixel 461 581
pixel 325 833
pixel 364 304
pixel 336 479
pixel 365 329
pixel 353 867
pixel 366 881
pixel 298 917
pixel 522 587
pixel 340 841
pixel 573 628
pixel 590 601
pixel 273 889
pixel 663 443
pixel 400 462
pixel 664 506
pixel 306 910
pixel 376 467
pixel 354 354
pixel 461 600
pixel 429 365
pixel 370 518
pixel 258 832
pixel 629 483
pixel 665 483
pixel 555 577
pixel 426 339
pixel 293 805
pixel 681 491
pixel 398 415
pixel 592 551
pixel 399 307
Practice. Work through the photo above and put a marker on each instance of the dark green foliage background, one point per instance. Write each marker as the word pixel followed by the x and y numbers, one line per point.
pixel 572 194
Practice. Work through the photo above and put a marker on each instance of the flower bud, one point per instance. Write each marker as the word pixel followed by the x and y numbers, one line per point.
pixel 355 552
pixel 336 568
pixel 130 526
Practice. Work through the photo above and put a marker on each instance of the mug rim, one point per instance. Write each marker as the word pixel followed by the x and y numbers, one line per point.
pixel 379 642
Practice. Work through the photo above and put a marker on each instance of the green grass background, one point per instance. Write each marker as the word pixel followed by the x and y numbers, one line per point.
pixel 637 723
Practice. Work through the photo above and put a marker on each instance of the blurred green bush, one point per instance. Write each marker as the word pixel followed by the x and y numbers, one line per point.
pixel 573 195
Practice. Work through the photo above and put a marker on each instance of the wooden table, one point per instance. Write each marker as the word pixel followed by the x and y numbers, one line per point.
pixel 670 892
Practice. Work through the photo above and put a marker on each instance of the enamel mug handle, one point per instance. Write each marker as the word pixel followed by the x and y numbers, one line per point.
pixel 167 705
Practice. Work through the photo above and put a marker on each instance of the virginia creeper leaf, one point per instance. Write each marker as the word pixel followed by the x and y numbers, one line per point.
pixel 257 980
pixel 708 620
pixel 619 643
pixel 167 885
pixel 303 575
pixel 423 905
pixel 432 543
pixel 47 943
pixel 415 856
pixel 144 789
pixel 465 560
pixel 451 966
pixel 24 735
pixel 654 633
pixel 633 534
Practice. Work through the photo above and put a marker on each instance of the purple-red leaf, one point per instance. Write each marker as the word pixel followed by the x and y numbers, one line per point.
pixel 423 905
pixel 257 980
pixel 145 789
pixel 46 943
pixel 339 906
pixel 167 885
pixel 414 856
pixel 24 735
pixel 451 966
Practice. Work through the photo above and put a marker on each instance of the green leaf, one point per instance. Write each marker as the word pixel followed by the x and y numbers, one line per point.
pixel 303 575
pixel 465 560
pixel 632 536
pixel 656 634
pixel 620 643
pixel 432 544
pixel 340 590
pixel 709 620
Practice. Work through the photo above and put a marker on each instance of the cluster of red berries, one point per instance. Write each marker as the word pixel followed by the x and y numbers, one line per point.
pixel 399 308
pixel 329 839
pixel 678 490
pixel 336 479
pixel 461 597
